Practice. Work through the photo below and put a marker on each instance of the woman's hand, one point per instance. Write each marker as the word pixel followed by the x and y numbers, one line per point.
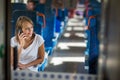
pixel 22 66
pixel 21 38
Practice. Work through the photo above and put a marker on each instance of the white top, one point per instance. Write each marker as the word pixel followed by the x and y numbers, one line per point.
pixel 31 52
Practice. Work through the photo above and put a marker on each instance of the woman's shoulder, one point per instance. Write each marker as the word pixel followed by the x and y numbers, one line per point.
pixel 38 36
pixel 13 39
pixel 39 39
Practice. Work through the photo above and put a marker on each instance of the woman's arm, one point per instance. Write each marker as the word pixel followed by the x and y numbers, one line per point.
pixel 19 52
pixel 41 54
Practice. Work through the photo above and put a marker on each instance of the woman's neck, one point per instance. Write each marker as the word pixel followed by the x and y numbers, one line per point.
pixel 30 38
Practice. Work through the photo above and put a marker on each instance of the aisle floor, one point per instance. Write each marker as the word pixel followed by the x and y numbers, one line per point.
pixel 68 55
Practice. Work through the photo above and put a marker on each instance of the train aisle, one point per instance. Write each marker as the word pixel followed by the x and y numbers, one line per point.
pixel 69 56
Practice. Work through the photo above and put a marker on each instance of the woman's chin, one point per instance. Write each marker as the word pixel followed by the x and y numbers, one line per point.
pixel 28 37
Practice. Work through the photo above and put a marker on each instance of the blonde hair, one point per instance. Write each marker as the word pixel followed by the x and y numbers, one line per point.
pixel 20 24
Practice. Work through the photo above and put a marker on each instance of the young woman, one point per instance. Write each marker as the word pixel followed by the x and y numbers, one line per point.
pixel 29 44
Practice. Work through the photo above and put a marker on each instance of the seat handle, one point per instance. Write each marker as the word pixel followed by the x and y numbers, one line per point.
pixel 44 21
pixel 89 21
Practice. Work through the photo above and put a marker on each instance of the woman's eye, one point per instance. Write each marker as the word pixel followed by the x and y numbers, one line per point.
pixel 26 29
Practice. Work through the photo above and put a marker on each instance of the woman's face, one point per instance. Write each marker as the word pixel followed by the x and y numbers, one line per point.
pixel 27 29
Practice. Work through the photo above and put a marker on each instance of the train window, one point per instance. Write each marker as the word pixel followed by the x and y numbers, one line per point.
pixel 65 30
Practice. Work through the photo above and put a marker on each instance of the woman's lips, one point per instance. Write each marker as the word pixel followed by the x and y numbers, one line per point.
pixel 29 33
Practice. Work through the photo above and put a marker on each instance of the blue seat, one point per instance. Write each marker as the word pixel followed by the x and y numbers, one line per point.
pixel 93 39
pixel 61 19
pixel 42 66
pixel 40 8
pixel 48 32
pixel 97 12
pixel 18 6
pixel 87 32
pixel 64 18
pixel 61 14
pixel 89 13
pixel 93 23
pixel 91 29
pixel 93 46
pixel 58 25
pixel 95 3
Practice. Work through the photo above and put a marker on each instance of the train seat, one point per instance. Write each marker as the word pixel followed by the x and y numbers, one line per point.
pixel 44 63
pixel 48 32
pixel 18 6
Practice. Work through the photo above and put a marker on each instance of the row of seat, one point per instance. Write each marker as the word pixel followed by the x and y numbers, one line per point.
pixel 92 18
pixel 48 23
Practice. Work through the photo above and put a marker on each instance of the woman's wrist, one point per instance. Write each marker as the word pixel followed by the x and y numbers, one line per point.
pixel 27 65
pixel 19 50
pixel 20 47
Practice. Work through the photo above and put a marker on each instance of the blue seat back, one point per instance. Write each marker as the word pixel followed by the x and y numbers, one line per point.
pixel 57 26
pixel 61 14
pixel 18 6
pixel 93 38
pixel 40 8
pixel 49 30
